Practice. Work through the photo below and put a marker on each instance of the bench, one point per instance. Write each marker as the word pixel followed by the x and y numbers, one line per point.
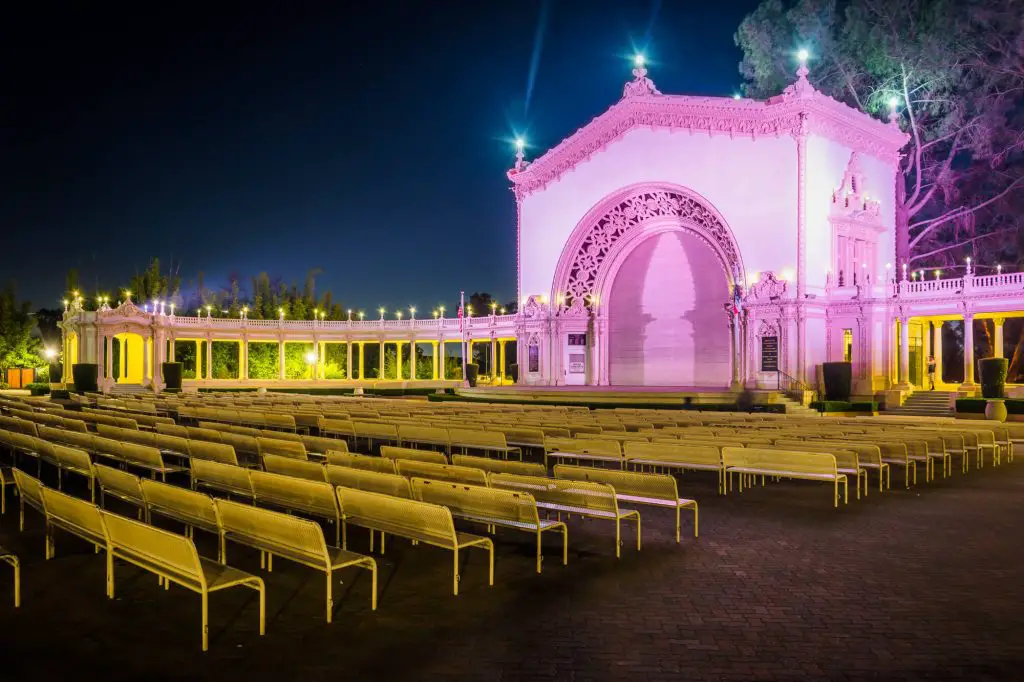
pixel 30 492
pixel 591 500
pixel 431 524
pixel 173 558
pixel 194 509
pixel 676 455
pixel 424 435
pixel 122 485
pixel 214 452
pixel 398 453
pixel 486 441
pixel 386 483
pixel 583 450
pixel 77 517
pixel 633 487
pixel 869 455
pixel 813 466
pixel 492 507
pixel 315 498
pixel 356 461
pixel 297 468
pixel 74 461
pixel 372 431
pixel 221 477
pixel 11 559
pixel 847 461
pixel 441 472
pixel 503 466
pixel 281 448
pixel 292 538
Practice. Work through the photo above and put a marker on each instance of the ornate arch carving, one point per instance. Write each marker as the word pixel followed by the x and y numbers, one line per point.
pixel 620 217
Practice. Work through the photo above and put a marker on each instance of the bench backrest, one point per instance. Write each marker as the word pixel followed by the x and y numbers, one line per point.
pixel 284 448
pixel 19 425
pixel 221 476
pixel 381 430
pixel 343 427
pixel 298 468
pixel 76 516
pixel 357 461
pixel 414 433
pixel 529 437
pixel 656 486
pixel 30 489
pixel 312 497
pixel 505 466
pixel 396 453
pixel 680 451
pixel 289 536
pixel 584 446
pixel 441 472
pixel 181 503
pixel 169 552
pixel 430 523
pixel 478 501
pixel 474 438
pixel 321 445
pixel 146 456
pixel 199 433
pixel 780 460
pixel 214 452
pixel 120 484
pixel 579 494
pixel 846 457
pixel 385 483
pixel 73 458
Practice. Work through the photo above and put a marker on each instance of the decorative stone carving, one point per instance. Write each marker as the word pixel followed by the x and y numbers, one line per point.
pixel 534 309
pixel 768 288
pixel 126 309
pixel 627 216
pixel 850 199
pixel 640 86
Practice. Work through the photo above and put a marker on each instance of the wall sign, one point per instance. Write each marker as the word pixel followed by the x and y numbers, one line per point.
pixel 769 354
pixel 533 358
pixel 577 363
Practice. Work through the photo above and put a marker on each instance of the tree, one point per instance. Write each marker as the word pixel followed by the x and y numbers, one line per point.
pixel 46 322
pixel 18 348
pixel 480 303
pixel 954 70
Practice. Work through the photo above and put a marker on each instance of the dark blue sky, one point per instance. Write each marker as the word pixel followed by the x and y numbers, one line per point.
pixel 370 142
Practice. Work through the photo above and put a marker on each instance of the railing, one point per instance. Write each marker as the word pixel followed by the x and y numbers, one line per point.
pixel 788 384
pixel 955 285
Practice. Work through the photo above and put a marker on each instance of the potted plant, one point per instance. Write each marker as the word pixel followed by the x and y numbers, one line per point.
pixel 472 370
pixel 993 382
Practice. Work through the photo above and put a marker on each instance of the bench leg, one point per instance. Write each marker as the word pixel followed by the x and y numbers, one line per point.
pixel 206 626
pixel 539 557
pixel 330 600
pixel 373 585
pixel 455 579
pixel 638 532
pixel 618 538
pixel 17 582
pixel 677 524
pixel 696 520
pixel 565 545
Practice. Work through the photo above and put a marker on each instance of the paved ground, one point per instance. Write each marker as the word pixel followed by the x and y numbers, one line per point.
pixel 923 584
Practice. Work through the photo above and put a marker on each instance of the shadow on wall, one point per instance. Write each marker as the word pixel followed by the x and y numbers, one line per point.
pixel 666 322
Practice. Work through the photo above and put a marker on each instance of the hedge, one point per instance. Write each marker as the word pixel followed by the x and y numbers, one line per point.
pixel 864 406
pixel 971 405
pixel 708 407
pixel 831 406
pixel 38 388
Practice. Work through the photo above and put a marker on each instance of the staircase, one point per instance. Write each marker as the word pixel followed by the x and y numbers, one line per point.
pixel 925 404
pixel 127 389
pixel 794 407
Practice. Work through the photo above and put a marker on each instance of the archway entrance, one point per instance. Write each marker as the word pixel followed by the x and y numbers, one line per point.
pixel 127 358
pixel 665 318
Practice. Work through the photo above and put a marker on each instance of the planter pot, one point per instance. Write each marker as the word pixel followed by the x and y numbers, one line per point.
pixel 472 370
pixel 995 410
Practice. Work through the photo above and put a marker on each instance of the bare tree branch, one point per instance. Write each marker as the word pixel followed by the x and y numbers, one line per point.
pixel 963 243
pixel 966 211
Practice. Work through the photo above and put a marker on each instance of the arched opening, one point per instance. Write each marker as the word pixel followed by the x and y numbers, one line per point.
pixel 127 358
pixel 665 318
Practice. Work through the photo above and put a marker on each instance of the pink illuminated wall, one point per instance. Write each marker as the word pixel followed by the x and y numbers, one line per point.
pixel 666 322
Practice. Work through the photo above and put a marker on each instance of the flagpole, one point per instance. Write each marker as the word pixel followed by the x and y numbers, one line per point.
pixel 462 330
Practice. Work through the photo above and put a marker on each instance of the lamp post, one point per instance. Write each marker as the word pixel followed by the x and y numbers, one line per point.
pixel 381 311
pixel 412 313
pixel 311 361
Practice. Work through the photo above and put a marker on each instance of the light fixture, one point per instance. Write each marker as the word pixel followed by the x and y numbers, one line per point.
pixel 361 314
pixel 435 313
pixel 280 311
pixel 999 269
pixel 937 273
pixel 349 314
pixel 311 357
pixel 398 314
pixel 639 60
pixel 803 55
pixel 412 311
pixel 502 311
pixel 50 353
pixel 441 308
pixel 737 95
pixel 894 102
pixel 520 143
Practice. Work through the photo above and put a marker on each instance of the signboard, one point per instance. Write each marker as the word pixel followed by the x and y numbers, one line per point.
pixel 577 363
pixel 533 358
pixel 769 354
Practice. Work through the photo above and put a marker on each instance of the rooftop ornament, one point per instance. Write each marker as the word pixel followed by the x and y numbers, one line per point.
pixel 641 85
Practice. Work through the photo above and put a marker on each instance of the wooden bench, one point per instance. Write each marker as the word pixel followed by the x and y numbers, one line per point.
pixel 441 472
pixel 486 441
pixel 503 466
pixel 583 450
pixel 813 466
pixel 357 461
pixel 292 538
pixel 592 500
pixel 676 455
pixel 633 487
pixel 431 524
pixel 492 507
pixel 173 558
pixel 194 509
pixel 315 498
pixel 221 477
pixel 10 558
pixel 386 483
pixel 297 468
pixel 398 453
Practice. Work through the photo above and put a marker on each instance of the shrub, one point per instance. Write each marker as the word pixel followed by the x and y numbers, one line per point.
pixel 993 376
pixel 4 385
pixel 864 406
pixel 60 395
pixel 1014 406
pixel 832 406
pixel 38 388
pixel 971 405
pixel 838 377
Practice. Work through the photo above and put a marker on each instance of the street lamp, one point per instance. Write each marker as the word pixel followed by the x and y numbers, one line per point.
pixel 280 312
pixel 381 311
pixel 349 314
pixel 412 312
pixel 209 309
pixel 361 315
pixel 50 353
pixel 441 309
pixel 311 361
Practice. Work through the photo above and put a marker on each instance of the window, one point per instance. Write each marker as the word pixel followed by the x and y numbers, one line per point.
pixel 577 339
pixel 847 345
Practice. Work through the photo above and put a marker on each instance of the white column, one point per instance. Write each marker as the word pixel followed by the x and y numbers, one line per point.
pixel 440 359
pixel 280 359
pixel 380 370
pixel 904 371
pixel 110 360
pixel 348 360
pixel 734 353
pixel 937 351
pixel 997 339
pixel 494 358
pixel 968 350
pixel 209 358
pixel 398 360
pixel 243 358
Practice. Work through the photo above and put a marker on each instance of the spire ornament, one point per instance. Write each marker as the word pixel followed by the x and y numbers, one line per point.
pixel 641 85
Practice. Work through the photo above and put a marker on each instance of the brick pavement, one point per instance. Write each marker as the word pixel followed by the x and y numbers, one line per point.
pixel 920 584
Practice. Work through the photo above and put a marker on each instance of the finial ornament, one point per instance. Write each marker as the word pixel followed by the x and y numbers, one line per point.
pixel 641 85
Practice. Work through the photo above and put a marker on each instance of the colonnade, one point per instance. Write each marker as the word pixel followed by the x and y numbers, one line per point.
pixel 932 345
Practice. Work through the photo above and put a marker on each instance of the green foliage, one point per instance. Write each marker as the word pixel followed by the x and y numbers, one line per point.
pixel 185 353
pixel 864 406
pixel 262 360
pixel 453 368
pixel 993 376
pixel 295 365
pixel 971 405
pixel 225 359
pixel 152 283
pixel 18 348
pixel 831 406
pixel 336 361
pixel 1014 406
pixel 38 388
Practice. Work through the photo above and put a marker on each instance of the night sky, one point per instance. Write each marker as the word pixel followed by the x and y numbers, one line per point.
pixel 370 142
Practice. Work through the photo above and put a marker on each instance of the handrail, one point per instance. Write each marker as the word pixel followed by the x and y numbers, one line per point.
pixel 787 383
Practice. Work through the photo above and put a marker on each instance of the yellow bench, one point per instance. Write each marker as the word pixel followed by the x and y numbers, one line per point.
pixel 356 461
pixel 173 558
pixel 386 483
pixel 72 515
pixel 583 450
pixel 297 468
pixel 399 453
pixel 425 435
pixel 74 461
pixel 418 521
pixel 503 466
pixel 487 441
pixel 222 477
pixel 282 448
pixel 592 500
pixel 11 559
pixel 869 455
pixel 122 485
pixel 30 492
pixel 492 507
pixel 441 472
pixel 374 431
pixel 814 466
pixel 214 452
pixel 677 455
pixel 292 538
pixel 847 461
pixel 633 487
pixel 194 509
pixel 315 498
